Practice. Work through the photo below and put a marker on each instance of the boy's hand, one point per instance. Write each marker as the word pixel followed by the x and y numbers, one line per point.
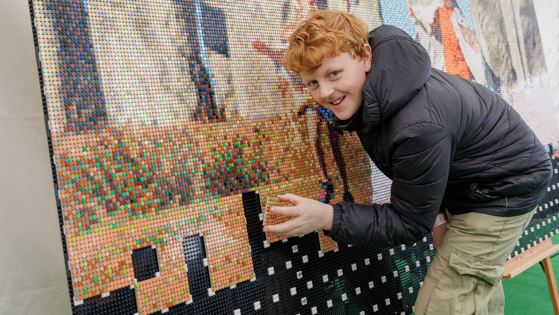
pixel 439 229
pixel 308 216
pixel 438 233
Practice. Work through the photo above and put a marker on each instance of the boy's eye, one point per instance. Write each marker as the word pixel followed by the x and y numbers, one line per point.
pixel 335 73
pixel 311 83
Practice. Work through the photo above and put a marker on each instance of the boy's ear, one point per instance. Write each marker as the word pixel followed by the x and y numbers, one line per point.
pixel 367 57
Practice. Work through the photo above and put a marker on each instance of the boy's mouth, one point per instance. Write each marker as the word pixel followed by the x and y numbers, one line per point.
pixel 338 101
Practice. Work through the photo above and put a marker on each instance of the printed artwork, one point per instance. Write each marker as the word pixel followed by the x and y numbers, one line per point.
pixel 172 124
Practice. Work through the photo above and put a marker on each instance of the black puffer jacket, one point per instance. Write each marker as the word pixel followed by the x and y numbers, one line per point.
pixel 444 141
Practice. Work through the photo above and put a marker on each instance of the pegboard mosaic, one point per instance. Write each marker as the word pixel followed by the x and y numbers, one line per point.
pixel 171 124
pixel 545 222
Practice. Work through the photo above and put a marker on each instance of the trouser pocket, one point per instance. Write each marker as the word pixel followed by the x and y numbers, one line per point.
pixel 468 265
pixel 467 287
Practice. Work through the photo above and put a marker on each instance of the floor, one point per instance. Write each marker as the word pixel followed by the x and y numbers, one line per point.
pixel 527 293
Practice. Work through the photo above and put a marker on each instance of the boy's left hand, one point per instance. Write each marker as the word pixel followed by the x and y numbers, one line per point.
pixel 308 216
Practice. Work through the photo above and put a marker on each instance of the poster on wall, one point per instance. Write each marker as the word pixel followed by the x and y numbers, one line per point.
pixel 172 124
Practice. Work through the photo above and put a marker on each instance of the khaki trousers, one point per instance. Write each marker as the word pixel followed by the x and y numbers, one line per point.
pixel 465 275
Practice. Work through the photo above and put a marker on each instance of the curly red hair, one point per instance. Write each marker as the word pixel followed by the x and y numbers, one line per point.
pixel 325 34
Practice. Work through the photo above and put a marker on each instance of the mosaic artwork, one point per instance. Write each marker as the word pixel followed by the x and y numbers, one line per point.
pixel 173 125
pixel 545 222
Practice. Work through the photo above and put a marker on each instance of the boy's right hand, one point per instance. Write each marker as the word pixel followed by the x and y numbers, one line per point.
pixel 439 229
pixel 308 216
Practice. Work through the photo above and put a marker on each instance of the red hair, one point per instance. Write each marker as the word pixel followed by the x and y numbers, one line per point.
pixel 325 34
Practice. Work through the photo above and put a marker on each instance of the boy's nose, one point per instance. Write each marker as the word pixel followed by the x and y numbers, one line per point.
pixel 326 91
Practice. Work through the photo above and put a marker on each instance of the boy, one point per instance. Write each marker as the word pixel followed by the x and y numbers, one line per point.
pixel 446 143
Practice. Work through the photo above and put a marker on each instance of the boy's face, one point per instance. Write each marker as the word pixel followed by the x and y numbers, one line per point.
pixel 337 84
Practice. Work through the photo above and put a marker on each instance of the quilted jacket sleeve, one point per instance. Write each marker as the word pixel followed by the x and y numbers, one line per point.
pixel 420 155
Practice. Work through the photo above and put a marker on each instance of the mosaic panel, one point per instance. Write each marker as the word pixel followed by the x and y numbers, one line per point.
pixel 172 124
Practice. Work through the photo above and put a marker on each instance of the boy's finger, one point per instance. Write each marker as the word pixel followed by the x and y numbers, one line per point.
pixel 289 211
pixel 281 229
pixel 289 197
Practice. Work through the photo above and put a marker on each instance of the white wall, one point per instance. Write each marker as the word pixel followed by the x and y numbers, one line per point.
pixel 547 12
pixel 32 275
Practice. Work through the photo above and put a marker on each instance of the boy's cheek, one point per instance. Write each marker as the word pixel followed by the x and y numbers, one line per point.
pixel 316 99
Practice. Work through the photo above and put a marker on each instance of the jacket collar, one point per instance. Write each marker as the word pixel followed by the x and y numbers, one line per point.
pixel 357 122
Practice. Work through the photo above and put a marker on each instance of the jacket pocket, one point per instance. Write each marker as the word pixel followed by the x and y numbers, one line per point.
pixel 524 184
pixel 481 194
pixel 469 265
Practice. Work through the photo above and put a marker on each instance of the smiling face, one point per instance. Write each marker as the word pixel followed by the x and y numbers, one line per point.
pixel 337 84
